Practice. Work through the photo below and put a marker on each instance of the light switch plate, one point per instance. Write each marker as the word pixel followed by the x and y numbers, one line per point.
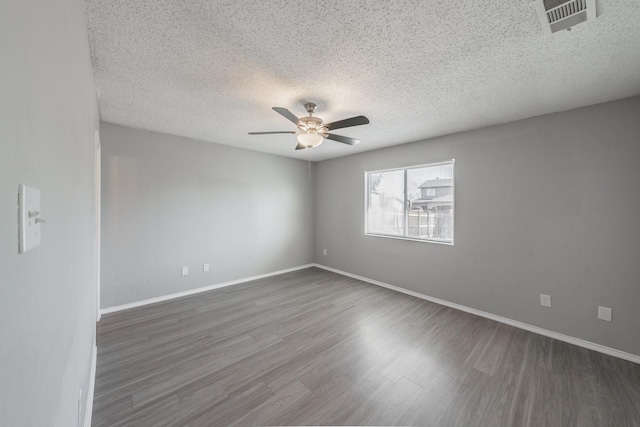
pixel 28 214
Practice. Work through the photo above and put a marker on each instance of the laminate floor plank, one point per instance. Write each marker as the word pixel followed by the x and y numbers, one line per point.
pixel 313 347
pixel 369 392
pixel 274 408
pixel 429 408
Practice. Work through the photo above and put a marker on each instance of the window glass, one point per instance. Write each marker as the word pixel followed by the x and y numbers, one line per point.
pixel 385 214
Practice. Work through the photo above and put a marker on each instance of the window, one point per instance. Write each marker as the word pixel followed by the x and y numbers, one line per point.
pixel 413 203
pixel 429 192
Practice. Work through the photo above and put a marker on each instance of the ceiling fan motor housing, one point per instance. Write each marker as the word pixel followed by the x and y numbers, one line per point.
pixel 311 123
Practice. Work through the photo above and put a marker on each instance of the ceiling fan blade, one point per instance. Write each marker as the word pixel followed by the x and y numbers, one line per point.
pixel 287 114
pixel 353 121
pixel 343 139
pixel 269 133
pixel 300 146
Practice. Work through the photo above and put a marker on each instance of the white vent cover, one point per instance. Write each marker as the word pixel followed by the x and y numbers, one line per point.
pixel 556 15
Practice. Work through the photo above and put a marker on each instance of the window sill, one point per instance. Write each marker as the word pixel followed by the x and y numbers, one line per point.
pixel 412 239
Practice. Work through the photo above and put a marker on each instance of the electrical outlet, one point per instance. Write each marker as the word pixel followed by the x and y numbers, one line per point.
pixel 604 313
pixel 324 251
pixel 205 267
pixel 545 300
pixel 185 270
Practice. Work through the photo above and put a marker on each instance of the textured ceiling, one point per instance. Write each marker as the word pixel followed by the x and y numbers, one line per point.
pixel 212 70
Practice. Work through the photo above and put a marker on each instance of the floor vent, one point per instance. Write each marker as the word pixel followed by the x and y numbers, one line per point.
pixel 556 15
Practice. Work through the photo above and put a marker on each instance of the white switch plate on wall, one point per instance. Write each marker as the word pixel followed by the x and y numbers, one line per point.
pixel 185 270
pixel 28 218
pixel 205 267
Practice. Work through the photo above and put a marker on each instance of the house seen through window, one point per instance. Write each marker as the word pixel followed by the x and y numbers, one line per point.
pixel 414 203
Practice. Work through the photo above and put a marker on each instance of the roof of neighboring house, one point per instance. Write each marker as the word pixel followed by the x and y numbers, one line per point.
pixel 432 183
pixel 442 199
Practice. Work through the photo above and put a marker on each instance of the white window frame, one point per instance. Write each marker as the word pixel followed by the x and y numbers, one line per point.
pixel 406 210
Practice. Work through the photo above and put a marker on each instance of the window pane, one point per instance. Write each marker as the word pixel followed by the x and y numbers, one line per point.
pixel 385 199
pixel 430 194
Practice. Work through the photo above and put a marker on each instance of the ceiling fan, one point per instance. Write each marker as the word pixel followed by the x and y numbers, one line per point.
pixel 312 130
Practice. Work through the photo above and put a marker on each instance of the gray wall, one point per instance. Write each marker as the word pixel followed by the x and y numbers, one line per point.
pixel 48 116
pixel 545 205
pixel 169 202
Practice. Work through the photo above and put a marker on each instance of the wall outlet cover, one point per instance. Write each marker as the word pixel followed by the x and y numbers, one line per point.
pixel 604 313
pixel 205 267
pixel 545 300
pixel 185 271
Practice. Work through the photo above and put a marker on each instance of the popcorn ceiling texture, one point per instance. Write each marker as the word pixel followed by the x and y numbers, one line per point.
pixel 212 70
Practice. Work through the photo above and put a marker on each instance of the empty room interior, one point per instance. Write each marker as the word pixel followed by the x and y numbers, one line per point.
pixel 222 213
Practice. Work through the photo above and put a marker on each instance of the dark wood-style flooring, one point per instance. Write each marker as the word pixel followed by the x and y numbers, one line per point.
pixel 313 347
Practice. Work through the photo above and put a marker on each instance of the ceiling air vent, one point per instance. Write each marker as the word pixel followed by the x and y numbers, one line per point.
pixel 556 15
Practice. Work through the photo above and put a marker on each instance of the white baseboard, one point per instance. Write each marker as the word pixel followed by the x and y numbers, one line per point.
pixel 535 329
pixel 199 290
pixel 88 412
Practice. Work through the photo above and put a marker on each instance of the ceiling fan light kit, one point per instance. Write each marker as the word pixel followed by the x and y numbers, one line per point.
pixel 310 138
pixel 312 131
